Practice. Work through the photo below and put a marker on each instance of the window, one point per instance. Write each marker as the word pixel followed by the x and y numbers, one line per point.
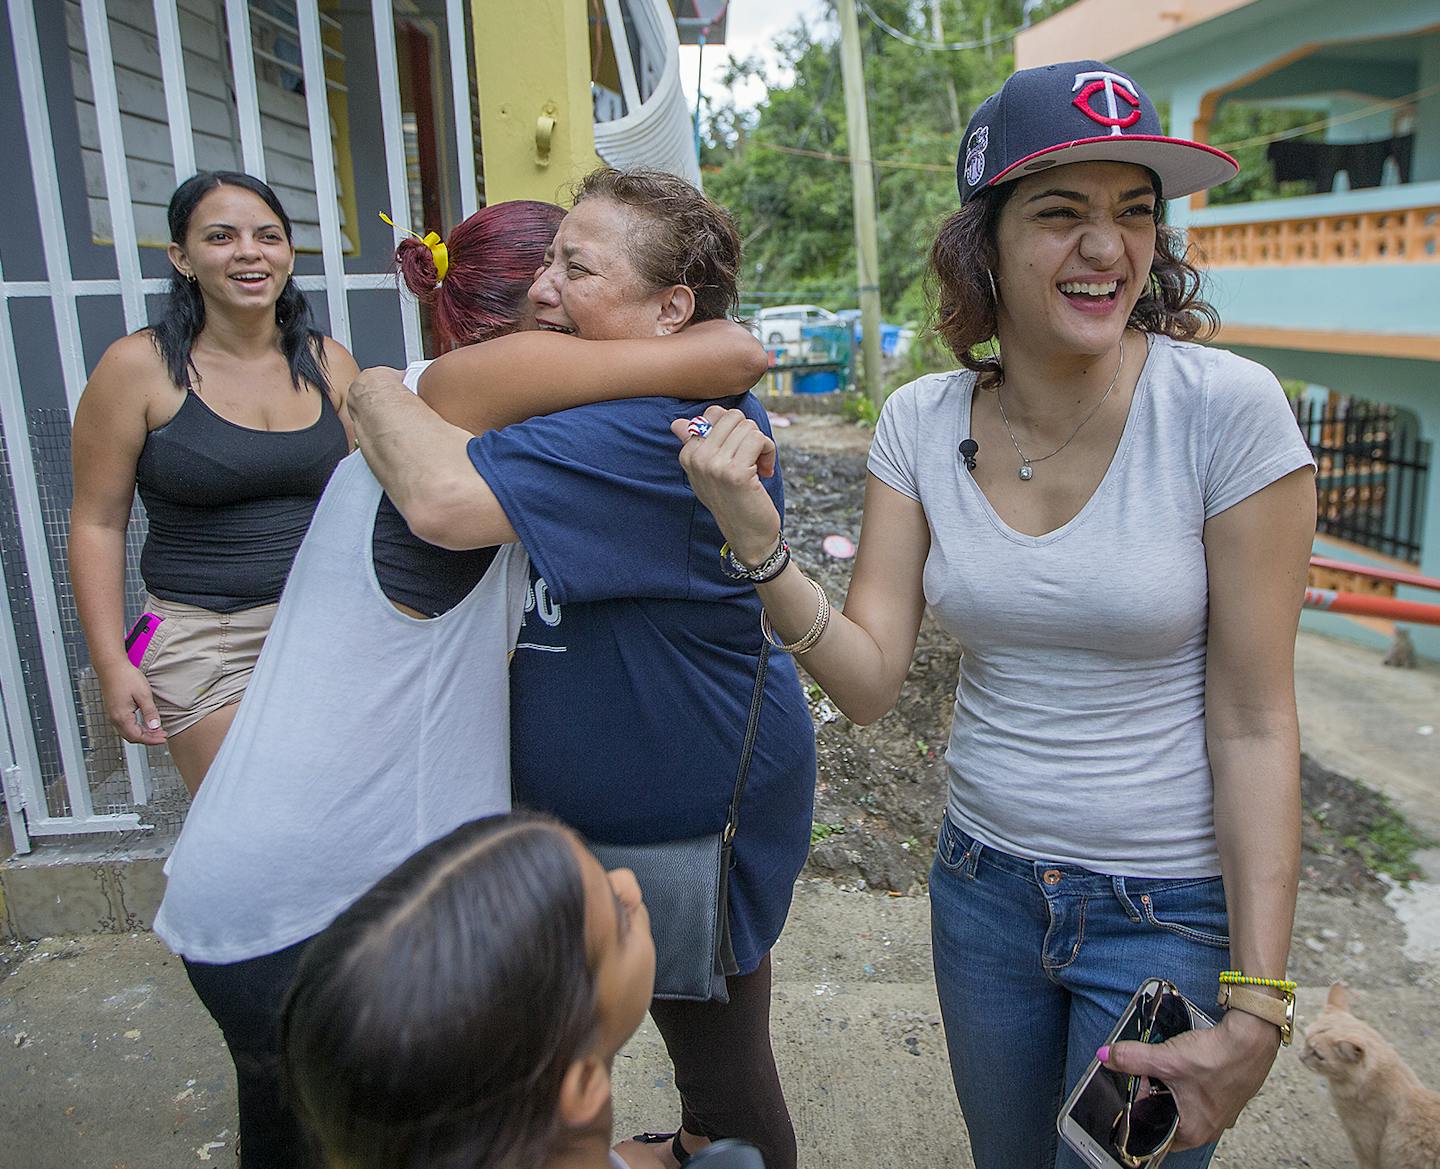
pixel 144 120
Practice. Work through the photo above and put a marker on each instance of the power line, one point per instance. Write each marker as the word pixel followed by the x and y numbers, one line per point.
pixel 827 156
pixel 932 46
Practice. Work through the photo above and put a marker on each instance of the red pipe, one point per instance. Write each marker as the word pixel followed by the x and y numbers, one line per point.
pixel 1415 580
pixel 1359 605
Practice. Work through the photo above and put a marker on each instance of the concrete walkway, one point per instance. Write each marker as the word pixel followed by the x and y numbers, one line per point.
pixel 108 1061
pixel 1372 723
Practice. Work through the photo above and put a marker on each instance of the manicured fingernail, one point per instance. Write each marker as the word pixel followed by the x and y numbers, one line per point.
pixel 1103 1054
pixel 154 724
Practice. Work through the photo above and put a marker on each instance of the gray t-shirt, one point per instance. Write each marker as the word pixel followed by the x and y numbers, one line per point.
pixel 1079 728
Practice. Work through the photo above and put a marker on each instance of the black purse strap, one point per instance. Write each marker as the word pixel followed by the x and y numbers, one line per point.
pixel 747 749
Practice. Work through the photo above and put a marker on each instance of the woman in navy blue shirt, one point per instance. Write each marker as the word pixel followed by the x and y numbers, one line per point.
pixel 631 683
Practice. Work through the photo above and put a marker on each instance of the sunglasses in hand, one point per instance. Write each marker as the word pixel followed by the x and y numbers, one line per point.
pixel 1119 1121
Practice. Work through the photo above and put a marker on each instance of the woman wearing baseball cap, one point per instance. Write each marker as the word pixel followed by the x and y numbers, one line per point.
pixel 1115 522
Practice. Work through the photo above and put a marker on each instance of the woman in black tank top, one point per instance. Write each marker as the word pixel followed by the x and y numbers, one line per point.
pixel 228 415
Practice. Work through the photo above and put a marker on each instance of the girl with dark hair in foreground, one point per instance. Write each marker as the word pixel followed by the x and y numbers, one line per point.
pixel 466 1011
pixel 228 414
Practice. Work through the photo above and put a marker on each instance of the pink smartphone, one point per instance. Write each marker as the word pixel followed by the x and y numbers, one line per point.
pixel 137 641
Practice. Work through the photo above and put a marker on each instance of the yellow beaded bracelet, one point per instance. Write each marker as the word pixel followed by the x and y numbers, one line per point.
pixel 1238 978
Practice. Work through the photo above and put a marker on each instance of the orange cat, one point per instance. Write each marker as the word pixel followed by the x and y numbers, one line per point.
pixel 1392 1120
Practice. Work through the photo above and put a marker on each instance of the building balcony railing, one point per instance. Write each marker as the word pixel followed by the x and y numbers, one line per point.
pixel 1350 272
pixel 1388 225
pixel 1411 236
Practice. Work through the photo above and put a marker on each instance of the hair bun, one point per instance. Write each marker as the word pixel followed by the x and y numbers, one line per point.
pixel 417 268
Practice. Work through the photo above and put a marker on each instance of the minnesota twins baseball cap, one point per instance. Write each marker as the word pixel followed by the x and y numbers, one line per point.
pixel 1079 111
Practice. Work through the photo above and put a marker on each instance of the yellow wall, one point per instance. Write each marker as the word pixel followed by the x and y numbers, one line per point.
pixel 532 62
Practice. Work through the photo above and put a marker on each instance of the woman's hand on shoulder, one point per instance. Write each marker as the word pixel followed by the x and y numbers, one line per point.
pixel 1213 1072
pixel 367 397
pixel 341 369
pixel 725 467
pixel 525 374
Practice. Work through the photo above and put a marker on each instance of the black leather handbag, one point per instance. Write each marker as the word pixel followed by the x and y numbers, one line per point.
pixel 686 888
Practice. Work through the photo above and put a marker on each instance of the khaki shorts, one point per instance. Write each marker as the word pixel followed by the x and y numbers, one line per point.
pixel 199 660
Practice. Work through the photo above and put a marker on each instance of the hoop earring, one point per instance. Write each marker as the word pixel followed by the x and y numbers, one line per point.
pixel 1155 288
pixel 190 276
pixel 994 294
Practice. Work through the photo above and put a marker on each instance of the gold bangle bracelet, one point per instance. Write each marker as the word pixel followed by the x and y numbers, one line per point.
pixel 811 636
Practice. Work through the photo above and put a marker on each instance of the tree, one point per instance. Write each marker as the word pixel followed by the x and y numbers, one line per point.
pixel 794 208
pixel 1234 127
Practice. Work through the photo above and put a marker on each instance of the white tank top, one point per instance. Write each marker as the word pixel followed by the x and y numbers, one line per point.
pixel 364 735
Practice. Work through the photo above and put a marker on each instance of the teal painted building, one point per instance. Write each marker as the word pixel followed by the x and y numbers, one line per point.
pixel 1339 288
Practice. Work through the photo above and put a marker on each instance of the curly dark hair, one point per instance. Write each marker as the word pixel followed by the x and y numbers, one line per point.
pixel 963 306
pixel 691 240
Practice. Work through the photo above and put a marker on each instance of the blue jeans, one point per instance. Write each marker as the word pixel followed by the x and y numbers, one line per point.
pixel 1034 962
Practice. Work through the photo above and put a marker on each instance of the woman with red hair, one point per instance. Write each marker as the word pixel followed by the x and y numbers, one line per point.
pixel 377 719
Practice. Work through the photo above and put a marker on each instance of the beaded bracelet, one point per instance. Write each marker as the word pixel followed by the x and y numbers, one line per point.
pixel 767 570
pixel 812 635
pixel 1237 978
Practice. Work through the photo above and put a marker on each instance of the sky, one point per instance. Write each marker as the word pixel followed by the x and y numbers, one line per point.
pixel 751 27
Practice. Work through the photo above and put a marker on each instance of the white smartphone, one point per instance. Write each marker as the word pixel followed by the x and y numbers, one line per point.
pixel 1089 1122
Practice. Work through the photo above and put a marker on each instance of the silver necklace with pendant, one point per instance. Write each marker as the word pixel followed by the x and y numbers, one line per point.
pixel 1027 466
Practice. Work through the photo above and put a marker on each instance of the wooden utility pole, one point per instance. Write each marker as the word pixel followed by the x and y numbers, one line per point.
pixel 862 178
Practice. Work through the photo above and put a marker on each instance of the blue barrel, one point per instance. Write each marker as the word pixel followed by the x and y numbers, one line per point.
pixel 821 381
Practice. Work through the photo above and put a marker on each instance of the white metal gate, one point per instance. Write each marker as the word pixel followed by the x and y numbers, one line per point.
pixel 70 805
pixel 140 69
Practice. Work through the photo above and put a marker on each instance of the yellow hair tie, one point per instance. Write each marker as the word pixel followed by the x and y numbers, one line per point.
pixel 438 251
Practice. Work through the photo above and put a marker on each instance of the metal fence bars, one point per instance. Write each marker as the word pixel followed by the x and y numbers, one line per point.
pixel 1372 468
pixel 159 88
pixel 346 110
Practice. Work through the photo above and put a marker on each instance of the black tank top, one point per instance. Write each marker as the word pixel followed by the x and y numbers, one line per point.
pixel 428 579
pixel 228 505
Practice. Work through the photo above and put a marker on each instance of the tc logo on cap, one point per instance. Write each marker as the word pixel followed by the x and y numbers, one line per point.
pixel 975 155
pixel 1114 86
